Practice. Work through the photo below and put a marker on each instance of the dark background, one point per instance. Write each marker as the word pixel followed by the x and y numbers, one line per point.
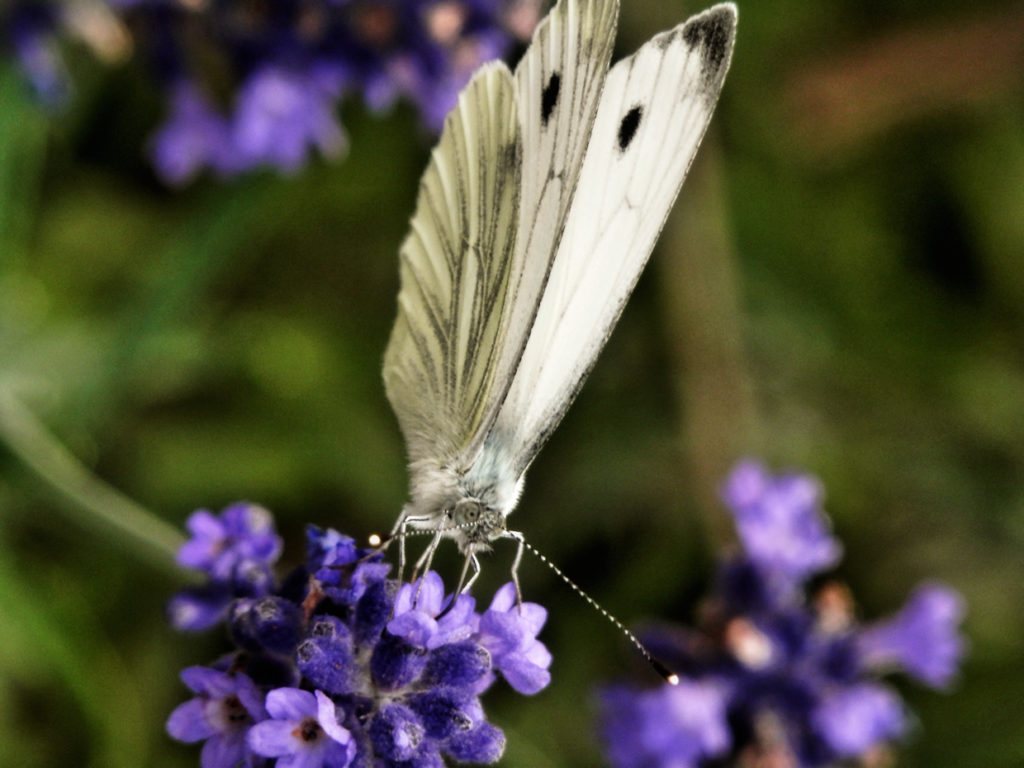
pixel 840 289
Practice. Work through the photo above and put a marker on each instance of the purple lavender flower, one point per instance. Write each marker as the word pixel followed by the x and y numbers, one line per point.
pixel 922 639
pixel 226 546
pixel 359 670
pixel 281 114
pixel 418 607
pixel 509 631
pixel 237 550
pixel 674 726
pixel 304 731
pixel 780 522
pixel 194 137
pixel 796 674
pixel 221 715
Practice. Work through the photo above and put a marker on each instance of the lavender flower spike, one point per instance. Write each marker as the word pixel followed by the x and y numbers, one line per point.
pixel 795 674
pixel 353 669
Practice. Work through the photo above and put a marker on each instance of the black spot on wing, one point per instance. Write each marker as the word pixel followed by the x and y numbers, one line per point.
pixel 549 97
pixel 712 32
pixel 629 126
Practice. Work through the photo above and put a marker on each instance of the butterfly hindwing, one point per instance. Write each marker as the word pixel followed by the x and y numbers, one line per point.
pixel 653 113
pixel 442 358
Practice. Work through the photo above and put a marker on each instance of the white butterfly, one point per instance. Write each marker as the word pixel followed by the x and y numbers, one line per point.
pixel 536 214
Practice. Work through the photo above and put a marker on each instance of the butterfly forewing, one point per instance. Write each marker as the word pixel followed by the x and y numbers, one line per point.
pixel 652 116
pixel 442 358
pixel 558 85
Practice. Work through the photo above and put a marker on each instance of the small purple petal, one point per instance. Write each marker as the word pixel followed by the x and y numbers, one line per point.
pixel 282 113
pixel 417 606
pixel 291 704
pixel 923 638
pixel 414 627
pixel 206 530
pixel 272 738
pixel 193 137
pixel 858 718
pixel 669 725
pixel 524 675
pixel 457 624
pixel 328 719
pixel 223 752
pixel 780 521
pixel 206 680
pixel 188 722
pixel 504 598
pixel 509 632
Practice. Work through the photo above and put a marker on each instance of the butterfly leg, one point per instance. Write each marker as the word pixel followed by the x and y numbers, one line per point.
pixel 424 563
pixel 470 559
pixel 400 531
pixel 463 586
pixel 515 564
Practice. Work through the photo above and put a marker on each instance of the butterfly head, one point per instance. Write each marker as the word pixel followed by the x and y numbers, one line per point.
pixel 466 505
pixel 476 523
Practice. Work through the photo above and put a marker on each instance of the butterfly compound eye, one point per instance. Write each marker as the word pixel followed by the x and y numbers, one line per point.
pixel 467 511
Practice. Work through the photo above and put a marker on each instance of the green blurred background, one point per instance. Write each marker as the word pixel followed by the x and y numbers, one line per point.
pixel 840 289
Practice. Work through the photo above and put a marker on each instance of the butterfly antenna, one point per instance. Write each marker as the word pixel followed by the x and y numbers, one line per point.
pixel 667 674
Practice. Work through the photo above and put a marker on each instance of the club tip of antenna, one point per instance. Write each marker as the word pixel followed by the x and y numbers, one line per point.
pixel 375 540
pixel 667 674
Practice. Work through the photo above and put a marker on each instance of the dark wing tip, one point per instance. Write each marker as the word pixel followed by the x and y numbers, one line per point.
pixel 714 32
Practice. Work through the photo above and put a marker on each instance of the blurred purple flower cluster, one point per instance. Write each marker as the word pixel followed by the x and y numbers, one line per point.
pixel 337 665
pixel 778 671
pixel 252 84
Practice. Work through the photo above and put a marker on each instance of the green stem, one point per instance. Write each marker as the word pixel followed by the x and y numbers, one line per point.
pixel 95 503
